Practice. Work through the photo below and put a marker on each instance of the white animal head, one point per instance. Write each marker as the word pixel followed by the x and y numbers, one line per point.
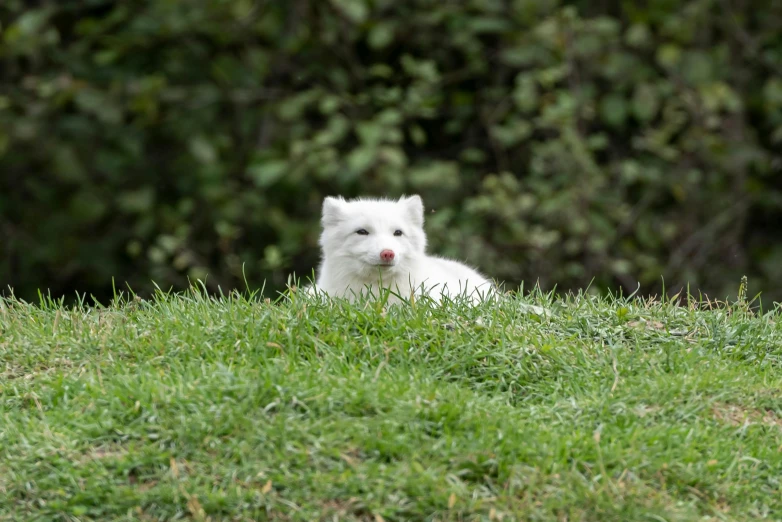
pixel 372 236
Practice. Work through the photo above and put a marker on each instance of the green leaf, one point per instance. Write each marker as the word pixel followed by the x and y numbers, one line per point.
pixel 417 135
pixel 370 133
pixel 381 35
pixel 669 55
pixel 272 257
pixel 356 10
pixel 361 159
pixel 613 110
pixel 525 93
pixel 638 36
pixel 646 102
pixel 772 93
pixel 512 133
pixel 267 173
pixel 202 149
pixel 67 165
pixel 99 104
pixel 138 201
pixel 441 174
pixel 488 25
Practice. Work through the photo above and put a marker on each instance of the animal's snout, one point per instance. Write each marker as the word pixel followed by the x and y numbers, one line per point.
pixel 387 255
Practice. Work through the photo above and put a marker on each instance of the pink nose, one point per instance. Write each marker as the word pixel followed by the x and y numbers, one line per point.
pixel 387 255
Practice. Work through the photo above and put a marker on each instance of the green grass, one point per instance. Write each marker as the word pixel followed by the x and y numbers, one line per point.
pixel 240 409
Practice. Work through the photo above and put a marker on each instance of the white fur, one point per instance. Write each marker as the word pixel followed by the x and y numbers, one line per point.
pixel 351 262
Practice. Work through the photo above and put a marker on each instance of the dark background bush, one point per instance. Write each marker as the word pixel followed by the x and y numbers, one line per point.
pixel 565 141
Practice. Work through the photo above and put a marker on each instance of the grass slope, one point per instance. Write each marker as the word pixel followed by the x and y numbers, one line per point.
pixel 239 409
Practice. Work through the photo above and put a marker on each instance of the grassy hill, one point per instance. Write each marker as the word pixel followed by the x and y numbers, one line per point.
pixel 528 408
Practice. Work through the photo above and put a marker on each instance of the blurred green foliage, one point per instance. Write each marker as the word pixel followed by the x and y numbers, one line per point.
pixel 560 141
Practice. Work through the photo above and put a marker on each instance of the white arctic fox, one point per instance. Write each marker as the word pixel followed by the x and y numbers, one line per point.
pixel 373 243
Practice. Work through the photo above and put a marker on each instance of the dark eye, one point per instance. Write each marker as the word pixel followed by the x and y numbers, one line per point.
pixel 362 232
pixel 397 232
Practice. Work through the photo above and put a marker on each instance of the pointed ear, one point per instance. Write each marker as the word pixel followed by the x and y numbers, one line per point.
pixel 333 210
pixel 415 208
